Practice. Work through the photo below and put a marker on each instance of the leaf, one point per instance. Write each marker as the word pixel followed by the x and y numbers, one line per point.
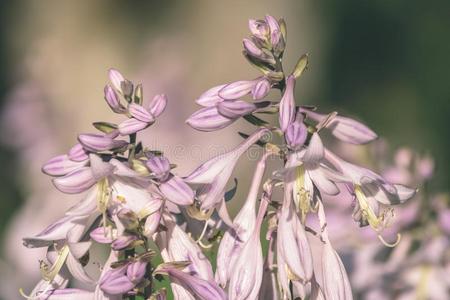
pixel 255 120
pixel 105 127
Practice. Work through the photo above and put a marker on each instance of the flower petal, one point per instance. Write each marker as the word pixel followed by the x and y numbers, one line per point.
pixel 131 126
pixel 233 109
pixel 237 89
pixel 140 113
pixel 62 165
pixel 158 105
pixel 287 104
pixel 208 119
pixel 210 97
pixel 75 182
pixel 177 191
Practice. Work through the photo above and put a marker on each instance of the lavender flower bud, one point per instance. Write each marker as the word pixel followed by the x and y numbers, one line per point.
pixel 123 241
pixel 113 100
pixel 177 191
pixel 160 167
pixel 158 105
pixel 75 182
pixel 152 223
pixel 261 88
pixel 61 165
pixel 136 271
pixel 103 235
pixel 116 79
pixel 131 126
pixel 210 97
pixel 275 31
pixel 234 109
pixel 237 89
pixel 259 28
pixel 77 153
pixel 208 119
pixel 99 142
pixel 296 134
pixel 287 104
pixel 140 113
pixel 251 48
pixel 345 129
pixel 115 282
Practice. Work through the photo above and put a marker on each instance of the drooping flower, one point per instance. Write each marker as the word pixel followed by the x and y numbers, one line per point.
pixel 214 174
pixel 235 238
pixel 202 289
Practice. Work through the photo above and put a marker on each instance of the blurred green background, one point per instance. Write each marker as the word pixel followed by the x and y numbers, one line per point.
pixel 386 62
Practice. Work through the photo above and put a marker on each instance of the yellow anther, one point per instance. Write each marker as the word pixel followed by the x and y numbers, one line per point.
pixel 302 195
pixel 367 211
pixel 121 199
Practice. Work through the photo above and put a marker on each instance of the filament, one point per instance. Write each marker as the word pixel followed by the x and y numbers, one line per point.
pixel 390 245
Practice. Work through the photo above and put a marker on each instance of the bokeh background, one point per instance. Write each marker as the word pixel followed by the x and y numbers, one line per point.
pixel 386 62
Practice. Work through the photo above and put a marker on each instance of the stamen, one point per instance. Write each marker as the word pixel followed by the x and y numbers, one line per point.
pixel 366 210
pixel 203 232
pixel 390 245
pixel 103 195
pixel 49 274
pixel 205 246
pixel 22 293
pixel 303 195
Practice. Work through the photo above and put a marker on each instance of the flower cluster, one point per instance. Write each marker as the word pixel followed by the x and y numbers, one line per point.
pixel 414 269
pixel 310 171
pixel 136 206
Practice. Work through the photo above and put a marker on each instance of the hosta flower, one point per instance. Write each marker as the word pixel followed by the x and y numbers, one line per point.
pixel 171 186
pixel 293 246
pixel 243 226
pixel 374 195
pixel 202 289
pixel 287 104
pixel 213 175
pixel 345 129
pixel 247 272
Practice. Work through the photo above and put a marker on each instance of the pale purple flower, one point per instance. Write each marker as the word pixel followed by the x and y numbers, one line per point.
pixel 180 247
pixel 255 51
pixel 78 153
pixel 235 238
pixel 293 246
pixel 246 274
pixel 116 79
pixel 261 88
pixel 113 100
pixel 100 142
pixel 345 129
pixel 373 193
pixel 157 106
pixel 275 31
pixel 296 134
pixel 213 174
pixel 202 289
pixel 237 89
pixel 62 165
pixel 210 97
pixel 287 104
pixel 259 28
pixel 208 119
pixel 234 109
